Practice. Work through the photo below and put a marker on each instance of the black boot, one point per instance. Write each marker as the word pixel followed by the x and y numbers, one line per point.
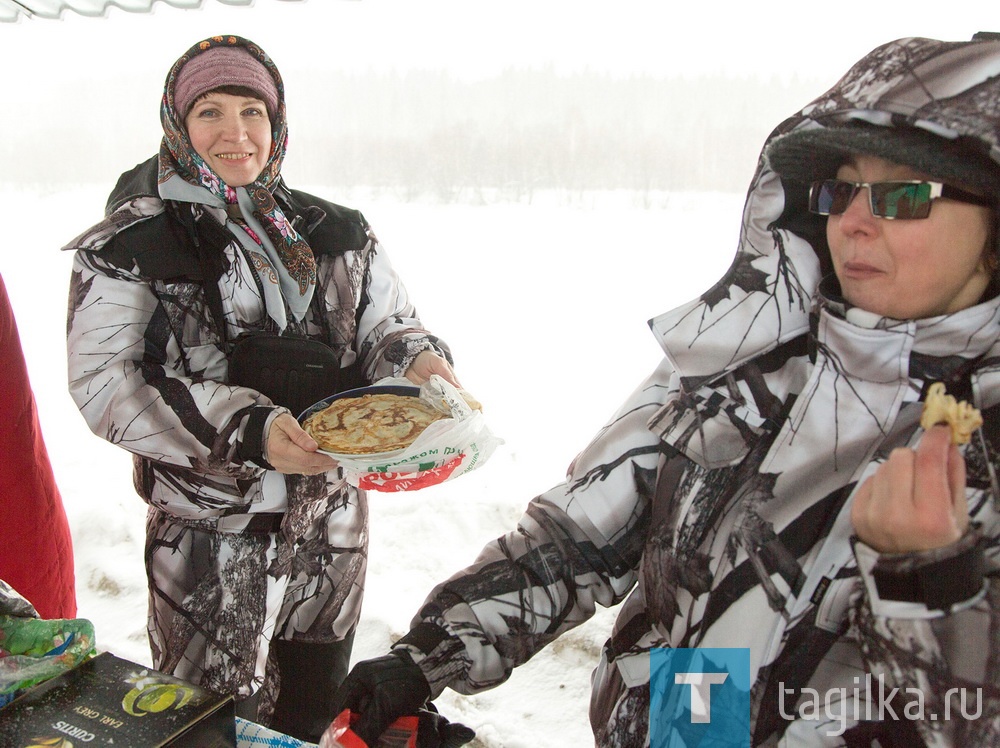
pixel 310 675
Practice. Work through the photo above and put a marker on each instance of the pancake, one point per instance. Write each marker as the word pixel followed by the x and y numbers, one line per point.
pixel 371 424
pixel 961 417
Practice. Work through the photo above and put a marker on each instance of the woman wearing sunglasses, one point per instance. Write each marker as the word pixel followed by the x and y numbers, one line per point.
pixel 768 492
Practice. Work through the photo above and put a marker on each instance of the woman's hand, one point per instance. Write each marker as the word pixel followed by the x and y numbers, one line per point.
pixel 916 499
pixel 427 363
pixel 292 451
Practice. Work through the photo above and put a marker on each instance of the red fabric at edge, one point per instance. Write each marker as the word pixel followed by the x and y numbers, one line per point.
pixel 36 550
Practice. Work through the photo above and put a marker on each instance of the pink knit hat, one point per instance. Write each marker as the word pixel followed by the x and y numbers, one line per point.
pixel 223 66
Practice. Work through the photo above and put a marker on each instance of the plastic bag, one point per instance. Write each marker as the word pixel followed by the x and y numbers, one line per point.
pixel 251 734
pixel 33 650
pixel 446 449
pixel 400 734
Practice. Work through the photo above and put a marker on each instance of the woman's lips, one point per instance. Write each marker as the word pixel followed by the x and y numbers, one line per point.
pixel 860 270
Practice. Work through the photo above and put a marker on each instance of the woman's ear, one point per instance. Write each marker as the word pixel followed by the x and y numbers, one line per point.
pixel 992 249
pixel 991 259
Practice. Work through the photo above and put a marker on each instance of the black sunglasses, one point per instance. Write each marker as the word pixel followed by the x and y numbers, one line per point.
pixel 903 200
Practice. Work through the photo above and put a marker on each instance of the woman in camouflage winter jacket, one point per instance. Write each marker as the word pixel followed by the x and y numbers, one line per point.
pixel 256 547
pixel 767 504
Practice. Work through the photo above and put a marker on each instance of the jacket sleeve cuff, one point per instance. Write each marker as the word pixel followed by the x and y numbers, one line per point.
pixel 406 350
pixel 253 441
pixel 924 584
pixel 440 656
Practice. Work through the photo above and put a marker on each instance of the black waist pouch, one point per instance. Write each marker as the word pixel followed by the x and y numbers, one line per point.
pixel 292 371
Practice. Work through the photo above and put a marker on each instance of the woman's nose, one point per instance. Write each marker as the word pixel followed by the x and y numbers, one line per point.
pixel 858 216
pixel 234 130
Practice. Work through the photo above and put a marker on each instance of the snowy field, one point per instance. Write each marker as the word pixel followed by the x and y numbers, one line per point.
pixel 545 306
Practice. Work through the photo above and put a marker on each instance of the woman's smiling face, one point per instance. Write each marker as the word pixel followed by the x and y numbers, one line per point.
pixel 908 269
pixel 232 134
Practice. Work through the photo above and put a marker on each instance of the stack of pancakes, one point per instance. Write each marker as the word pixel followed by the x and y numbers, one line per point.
pixel 371 424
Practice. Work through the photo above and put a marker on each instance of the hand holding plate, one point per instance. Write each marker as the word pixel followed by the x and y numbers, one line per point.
pixel 292 451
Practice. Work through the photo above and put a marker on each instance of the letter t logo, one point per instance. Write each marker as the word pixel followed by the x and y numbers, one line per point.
pixel 675 718
pixel 701 692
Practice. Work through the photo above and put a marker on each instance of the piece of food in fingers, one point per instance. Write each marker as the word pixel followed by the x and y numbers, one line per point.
pixel 960 416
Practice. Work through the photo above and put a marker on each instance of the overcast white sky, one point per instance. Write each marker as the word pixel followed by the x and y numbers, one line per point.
pixel 66 84
pixel 481 37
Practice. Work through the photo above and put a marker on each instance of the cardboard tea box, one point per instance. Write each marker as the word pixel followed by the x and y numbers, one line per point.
pixel 108 701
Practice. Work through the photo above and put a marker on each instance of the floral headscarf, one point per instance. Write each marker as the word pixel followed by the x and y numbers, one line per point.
pixel 184 175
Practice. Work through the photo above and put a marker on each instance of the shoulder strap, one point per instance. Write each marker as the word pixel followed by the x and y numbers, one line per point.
pixel 329 228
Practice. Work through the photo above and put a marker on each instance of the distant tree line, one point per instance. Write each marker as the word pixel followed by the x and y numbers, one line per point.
pixel 430 135
pixel 427 134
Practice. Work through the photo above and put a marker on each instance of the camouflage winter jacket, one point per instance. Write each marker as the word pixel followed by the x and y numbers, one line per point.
pixel 148 360
pixel 716 501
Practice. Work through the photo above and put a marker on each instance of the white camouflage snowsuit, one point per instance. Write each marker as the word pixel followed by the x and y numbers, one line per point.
pixel 236 554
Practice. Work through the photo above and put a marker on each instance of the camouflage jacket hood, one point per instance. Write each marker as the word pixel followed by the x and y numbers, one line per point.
pixel 950 89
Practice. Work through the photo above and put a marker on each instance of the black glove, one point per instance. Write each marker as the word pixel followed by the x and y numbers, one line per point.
pixel 435 731
pixel 381 691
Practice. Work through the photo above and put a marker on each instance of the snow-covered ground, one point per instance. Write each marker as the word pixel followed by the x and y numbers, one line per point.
pixel 545 306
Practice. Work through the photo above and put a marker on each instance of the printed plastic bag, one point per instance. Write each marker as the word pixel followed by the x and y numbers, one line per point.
pixel 446 449
pixel 33 650
pixel 401 734
pixel 251 735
